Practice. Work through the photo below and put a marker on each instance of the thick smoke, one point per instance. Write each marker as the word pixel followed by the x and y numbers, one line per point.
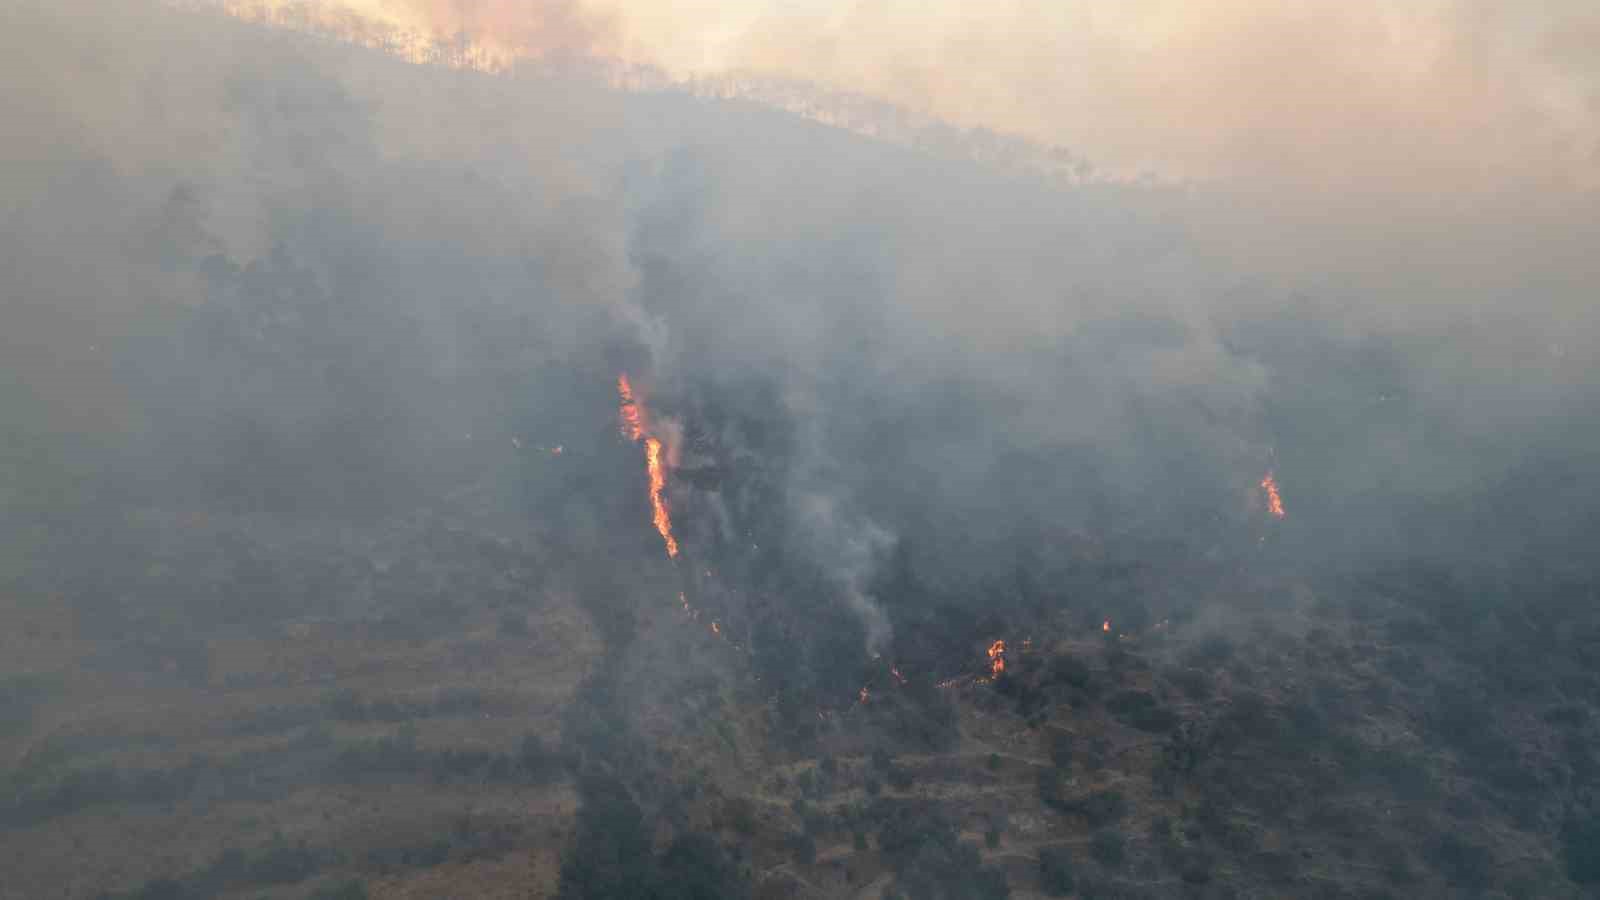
pixel 246 264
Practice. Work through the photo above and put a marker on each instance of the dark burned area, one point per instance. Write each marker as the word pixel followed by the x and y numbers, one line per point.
pixel 327 572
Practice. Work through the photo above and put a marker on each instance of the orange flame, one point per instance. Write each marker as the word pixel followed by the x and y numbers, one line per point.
pixel 1106 626
pixel 658 481
pixel 997 651
pixel 631 419
pixel 1274 500
pixel 630 415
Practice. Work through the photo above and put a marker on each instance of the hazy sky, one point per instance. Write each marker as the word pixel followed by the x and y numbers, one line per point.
pixel 1417 184
pixel 1432 93
pixel 1432 158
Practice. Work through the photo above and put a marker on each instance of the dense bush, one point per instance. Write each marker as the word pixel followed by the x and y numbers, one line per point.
pixel 1069 670
pixel 1055 871
pixel 1101 807
pixel 19 695
pixel 1108 848
pixel 694 867
pixel 1050 789
pixel 1060 743
pixel 342 890
pixel 1459 860
pixel 929 859
pixel 1580 841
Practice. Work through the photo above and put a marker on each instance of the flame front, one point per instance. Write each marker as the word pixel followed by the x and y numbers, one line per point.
pixel 631 420
pixel 630 415
pixel 1269 485
pixel 997 655
pixel 658 481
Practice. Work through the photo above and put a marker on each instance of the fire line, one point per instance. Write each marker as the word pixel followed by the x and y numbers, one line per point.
pixel 630 414
pixel 1274 501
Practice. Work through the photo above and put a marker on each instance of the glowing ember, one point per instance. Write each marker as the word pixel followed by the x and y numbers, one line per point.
pixel 864 693
pixel 997 655
pixel 1106 626
pixel 631 417
pixel 1269 485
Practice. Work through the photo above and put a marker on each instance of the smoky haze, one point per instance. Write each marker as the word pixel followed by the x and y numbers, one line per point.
pixel 1115 336
pixel 274 279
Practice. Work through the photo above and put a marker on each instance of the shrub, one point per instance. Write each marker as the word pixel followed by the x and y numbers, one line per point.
pixel 1108 847
pixel 900 778
pixel 1156 720
pixel 1070 670
pixel 354 889
pixel 804 848
pixel 1055 871
pixel 284 865
pixel 1195 684
pixel 1061 750
pixel 1212 652
pixel 695 867
pixel 1049 785
pixel 1195 867
pixel 513 624
pixel 1581 847
pixel 1102 808
pixel 1459 860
